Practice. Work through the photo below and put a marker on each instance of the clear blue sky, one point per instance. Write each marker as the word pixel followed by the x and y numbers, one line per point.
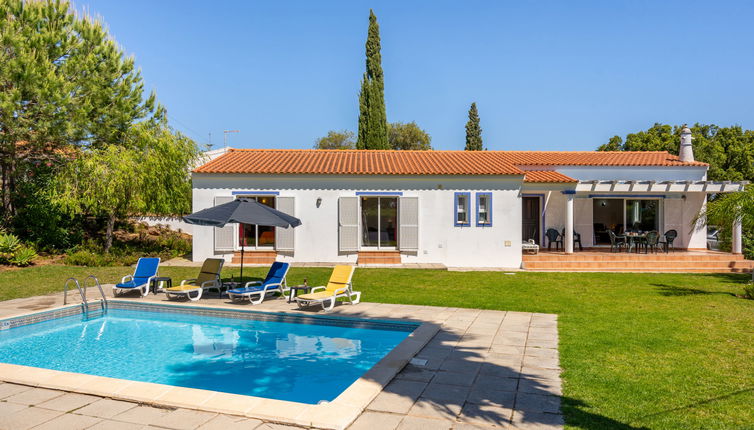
pixel 558 75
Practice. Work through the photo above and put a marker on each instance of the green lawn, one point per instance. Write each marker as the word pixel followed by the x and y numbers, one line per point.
pixel 638 350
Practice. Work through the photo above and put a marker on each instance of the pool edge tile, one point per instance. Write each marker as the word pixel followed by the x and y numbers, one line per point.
pixel 234 404
pixel 191 398
pixel 280 411
pixel 146 392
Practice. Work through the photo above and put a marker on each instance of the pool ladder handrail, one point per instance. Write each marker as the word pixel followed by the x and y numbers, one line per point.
pixel 82 292
pixel 103 301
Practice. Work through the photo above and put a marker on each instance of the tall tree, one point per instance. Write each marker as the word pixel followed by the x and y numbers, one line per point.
pixel 728 150
pixel 372 132
pixel 336 140
pixel 149 174
pixel 64 85
pixel 408 136
pixel 474 131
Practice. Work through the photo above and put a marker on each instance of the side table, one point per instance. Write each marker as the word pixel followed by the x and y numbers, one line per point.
pixel 295 291
pixel 160 279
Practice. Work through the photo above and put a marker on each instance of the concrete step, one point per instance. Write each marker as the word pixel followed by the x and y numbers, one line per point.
pixel 576 256
pixel 379 257
pixel 700 264
pixel 255 257
pixel 644 270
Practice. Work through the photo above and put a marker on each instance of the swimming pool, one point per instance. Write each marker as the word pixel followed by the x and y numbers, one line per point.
pixel 295 358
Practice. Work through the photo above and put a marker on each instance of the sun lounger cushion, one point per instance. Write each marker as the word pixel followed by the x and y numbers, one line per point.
pixel 319 295
pixel 275 275
pixel 145 269
pixel 340 278
pixel 136 283
pixel 180 288
pixel 245 290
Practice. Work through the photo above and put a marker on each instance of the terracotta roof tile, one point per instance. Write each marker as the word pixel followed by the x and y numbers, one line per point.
pixel 549 176
pixel 355 162
pixel 335 162
pixel 597 158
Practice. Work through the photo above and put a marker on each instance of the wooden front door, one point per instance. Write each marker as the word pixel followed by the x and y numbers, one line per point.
pixel 530 219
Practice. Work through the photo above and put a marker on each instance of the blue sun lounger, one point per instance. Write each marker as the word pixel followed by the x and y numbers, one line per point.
pixel 274 282
pixel 146 270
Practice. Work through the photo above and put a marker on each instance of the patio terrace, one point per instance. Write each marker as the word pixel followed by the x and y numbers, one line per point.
pixel 603 260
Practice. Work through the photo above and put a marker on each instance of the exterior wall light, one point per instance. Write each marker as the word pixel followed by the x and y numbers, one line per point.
pixel 319 201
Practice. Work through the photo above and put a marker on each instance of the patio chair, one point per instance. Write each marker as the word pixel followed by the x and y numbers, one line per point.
pixel 553 237
pixel 274 282
pixel 208 279
pixel 145 272
pixel 651 242
pixel 616 243
pixel 338 286
pixel 670 236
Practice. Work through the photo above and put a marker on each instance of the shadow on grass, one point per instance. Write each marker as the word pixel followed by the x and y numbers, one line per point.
pixel 672 290
pixel 698 403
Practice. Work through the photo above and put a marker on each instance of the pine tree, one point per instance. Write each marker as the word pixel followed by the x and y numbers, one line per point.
pixel 473 131
pixel 372 114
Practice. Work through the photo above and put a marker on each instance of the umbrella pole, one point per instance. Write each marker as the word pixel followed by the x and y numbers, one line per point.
pixel 242 247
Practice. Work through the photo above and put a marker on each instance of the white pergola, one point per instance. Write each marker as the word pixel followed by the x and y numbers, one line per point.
pixel 709 187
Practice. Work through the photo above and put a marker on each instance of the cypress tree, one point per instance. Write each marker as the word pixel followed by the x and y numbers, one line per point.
pixel 372 114
pixel 473 131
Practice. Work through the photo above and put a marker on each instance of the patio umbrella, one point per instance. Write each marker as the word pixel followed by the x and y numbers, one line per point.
pixel 242 211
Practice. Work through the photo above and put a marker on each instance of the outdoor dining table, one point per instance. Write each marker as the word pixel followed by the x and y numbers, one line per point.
pixel 634 240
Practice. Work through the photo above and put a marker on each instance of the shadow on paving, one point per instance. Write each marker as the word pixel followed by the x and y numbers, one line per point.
pixel 466 382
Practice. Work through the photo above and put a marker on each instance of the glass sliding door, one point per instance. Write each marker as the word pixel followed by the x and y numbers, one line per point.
pixel 252 236
pixel 379 222
pixel 624 215
pixel 642 215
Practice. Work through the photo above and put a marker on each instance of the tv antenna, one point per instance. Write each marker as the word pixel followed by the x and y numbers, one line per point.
pixel 225 136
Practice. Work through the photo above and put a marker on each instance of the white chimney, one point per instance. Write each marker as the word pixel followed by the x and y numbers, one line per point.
pixel 686 152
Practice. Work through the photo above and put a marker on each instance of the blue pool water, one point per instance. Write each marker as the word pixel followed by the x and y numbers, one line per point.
pixel 279 360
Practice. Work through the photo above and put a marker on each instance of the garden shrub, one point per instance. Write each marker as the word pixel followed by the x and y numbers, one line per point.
pixel 9 243
pixel 85 257
pixel 749 291
pixel 131 242
pixel 13 251
pixel 24 256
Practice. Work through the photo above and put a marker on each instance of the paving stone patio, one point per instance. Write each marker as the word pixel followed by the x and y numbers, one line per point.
pixel 483 369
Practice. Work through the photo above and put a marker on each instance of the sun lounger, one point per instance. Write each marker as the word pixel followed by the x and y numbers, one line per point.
pixel 208 279
pixel 338 286
pixel 273 282
pixel 146 270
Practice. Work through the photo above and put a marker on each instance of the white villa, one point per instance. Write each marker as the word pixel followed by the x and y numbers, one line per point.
pixel 455 208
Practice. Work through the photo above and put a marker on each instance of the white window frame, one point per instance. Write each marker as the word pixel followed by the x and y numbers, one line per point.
pixel 488 206
pixel 256 227
pixel 466 209
pixel 397 227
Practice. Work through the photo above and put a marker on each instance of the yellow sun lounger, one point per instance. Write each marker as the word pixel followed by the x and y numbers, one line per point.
pixel 339 286
pixel 209 278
